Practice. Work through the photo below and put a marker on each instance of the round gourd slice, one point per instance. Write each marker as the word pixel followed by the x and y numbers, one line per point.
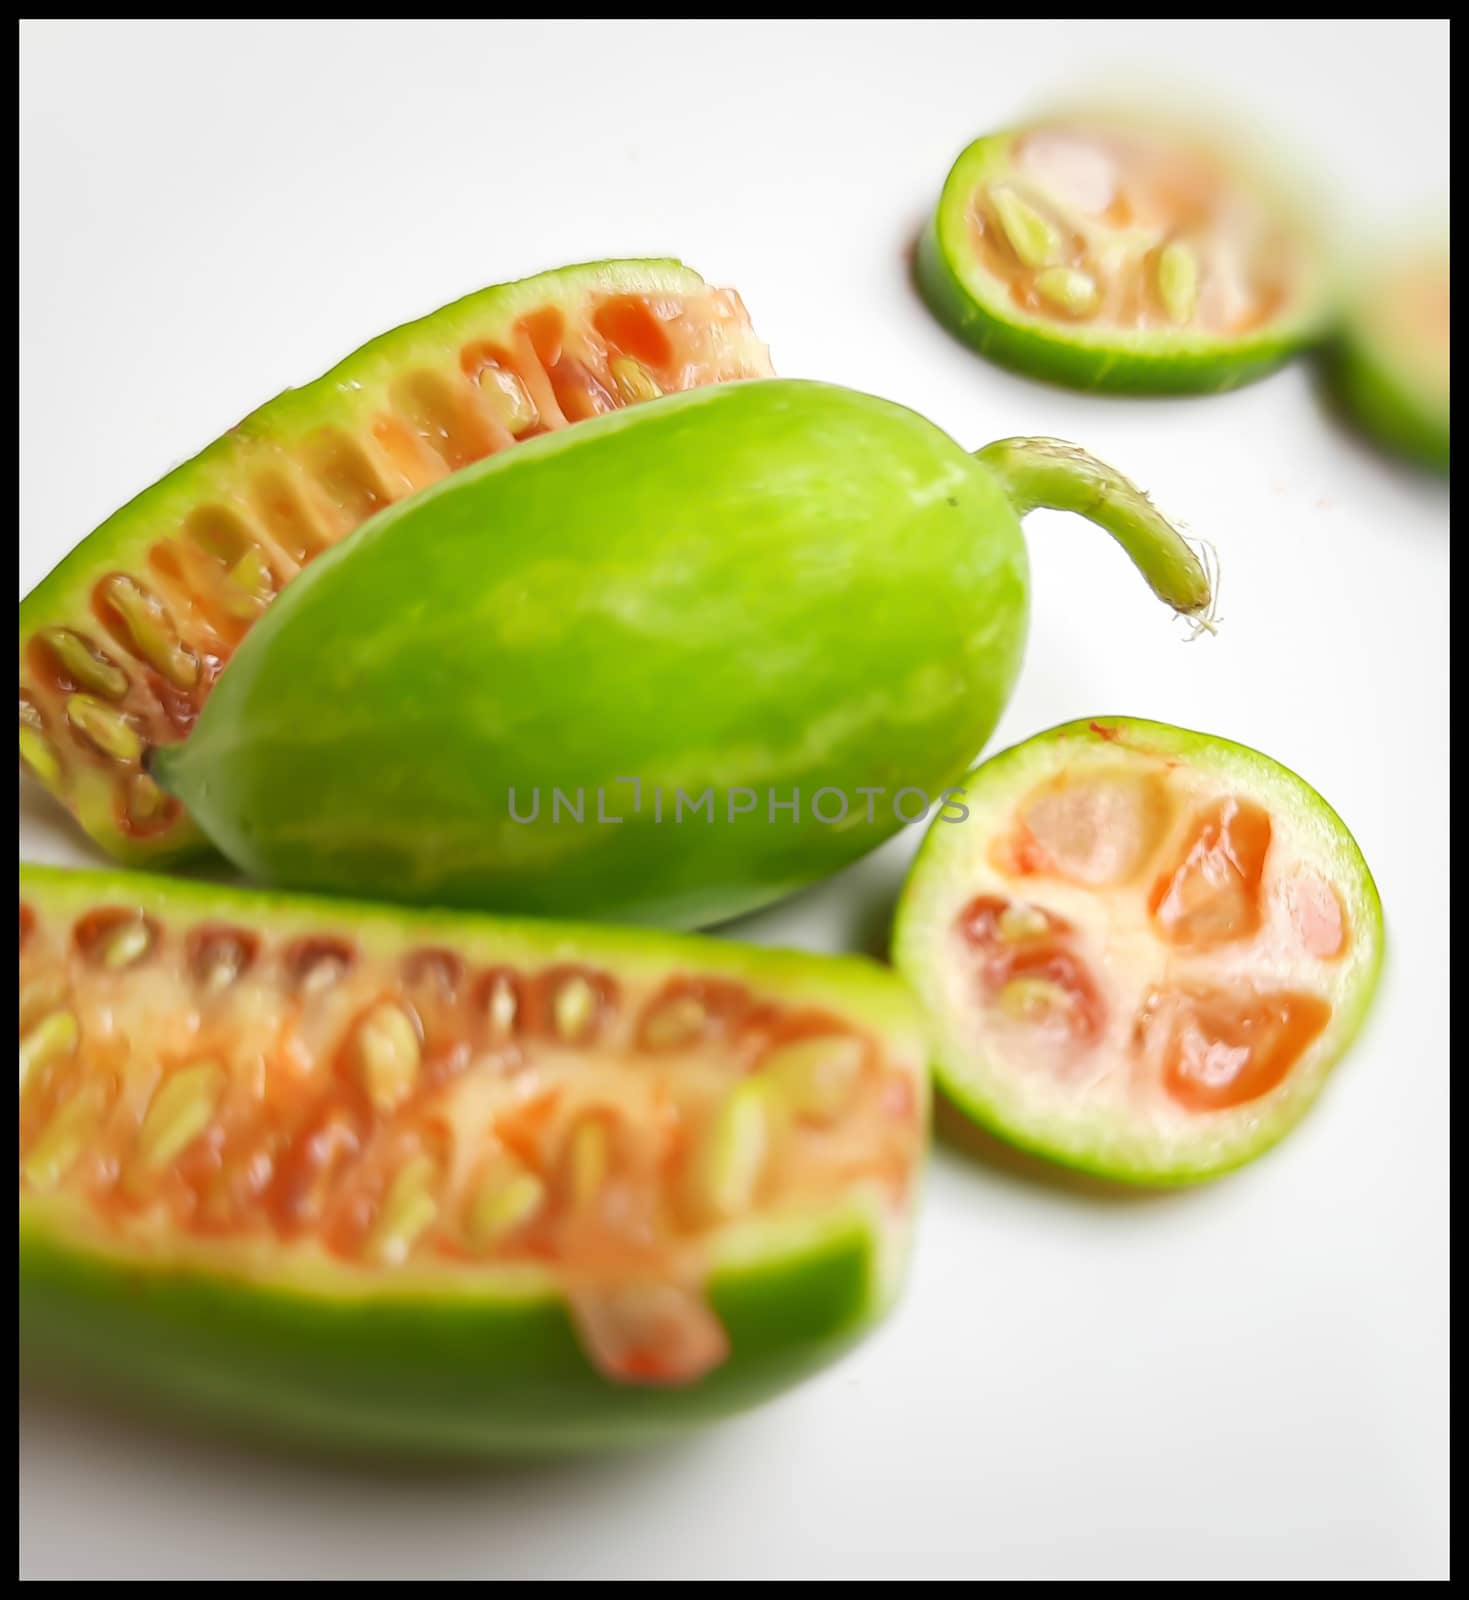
pixel 1142 951
pixel 1110 254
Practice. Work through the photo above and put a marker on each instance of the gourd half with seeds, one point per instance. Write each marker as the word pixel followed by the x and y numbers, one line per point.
pixel 121 644
pixel 1109 254
pixel 443 1183
pixel 1143 951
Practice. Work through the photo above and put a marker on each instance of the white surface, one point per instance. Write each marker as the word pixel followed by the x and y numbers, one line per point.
pixel 1245 1380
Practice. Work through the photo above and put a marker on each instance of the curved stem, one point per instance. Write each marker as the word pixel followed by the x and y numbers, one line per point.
pixel 1063 477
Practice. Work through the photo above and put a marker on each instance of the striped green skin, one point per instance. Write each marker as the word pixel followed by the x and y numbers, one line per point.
pixel 344 400
pixel 460 1362
pixel 769 586
pixel 978 309
pixel 994 1096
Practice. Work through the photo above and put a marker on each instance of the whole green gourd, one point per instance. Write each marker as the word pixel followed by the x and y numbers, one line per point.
pixel 667 666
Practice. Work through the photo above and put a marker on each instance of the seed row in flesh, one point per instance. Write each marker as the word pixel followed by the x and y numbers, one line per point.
pixel 1091 227
pixel 96 694
pixel 420 1109
pixel 1210 1042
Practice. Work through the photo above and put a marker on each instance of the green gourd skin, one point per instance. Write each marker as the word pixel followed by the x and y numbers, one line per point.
pixel 776 587
pixel 1390 372
pixel 454 1377
pixel 454 1358
pixel 1388 409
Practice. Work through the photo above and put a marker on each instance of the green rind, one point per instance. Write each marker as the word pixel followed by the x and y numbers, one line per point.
pixel 342 396
pixel 438 1377
pixel 479 1365
pixel 769 586
pixel 1386 404
pixel 338 396
pixel 957 291
pixel 917 937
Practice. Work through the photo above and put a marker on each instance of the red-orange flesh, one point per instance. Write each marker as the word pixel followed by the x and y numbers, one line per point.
pixel 211 1088
pixel 1167 964
pixel 98 693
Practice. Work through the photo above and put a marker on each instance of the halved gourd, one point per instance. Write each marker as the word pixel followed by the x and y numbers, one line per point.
pixel 446 1183
pixel 122 642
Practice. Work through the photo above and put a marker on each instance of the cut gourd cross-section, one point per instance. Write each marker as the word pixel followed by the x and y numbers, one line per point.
pixel 447 1182
pixel 1143 950
pixel 122 642
pixel 1115 254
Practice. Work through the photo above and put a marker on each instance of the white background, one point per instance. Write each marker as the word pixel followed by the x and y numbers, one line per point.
pixel 1249 1379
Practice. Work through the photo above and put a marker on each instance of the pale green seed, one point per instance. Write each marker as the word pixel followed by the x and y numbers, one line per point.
pixel 39 756
pixel 52 1037
pixel 250 584
pixel 502 1008
pixel 150 630
pixel 574 1008
pixel 56 1151
pixel 1033 1000
pixel 816 1078
pixel 1031 236
pixel 1070 289
pixel 322 974
pixel 503 1205
pixel 145 799
pixel 634 381
pixel 83 666
pixel 679 1021
pixel 220 964
pixel 735 1152
pixel 180 1111
pixel 407 1211
pixel 130 943
pixel 1021 922
pixel 109 730
pixel 1178 281
pixel 509 398
pixel 388 1056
